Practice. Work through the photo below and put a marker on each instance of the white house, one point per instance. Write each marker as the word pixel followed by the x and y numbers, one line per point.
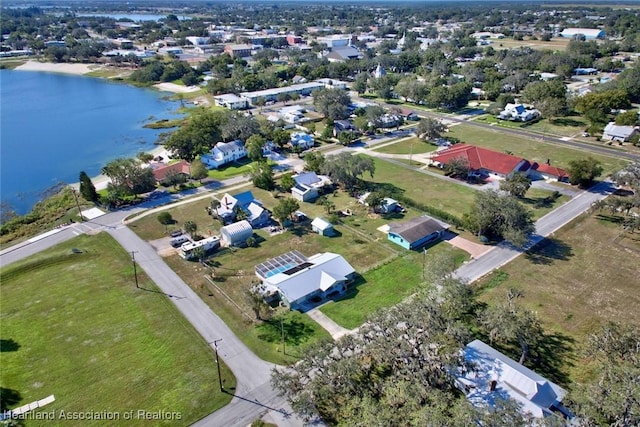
pixel 303 282
pixel 613 132
pixel 322 226
pixel 223 153
pixel 493 375
pixel 308 186
pixel 291 114
pixel 518 112
pixel 231 101
pixel 257 215
pixel 302 140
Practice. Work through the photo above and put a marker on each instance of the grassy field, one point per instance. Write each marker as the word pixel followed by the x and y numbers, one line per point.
pixel 407 146
pixel 556 44
pixel 385 286
pixel 562 126
pixel 532 150
pixel 241 167
pixel 75 326
pixel 577 281
pixel 447 196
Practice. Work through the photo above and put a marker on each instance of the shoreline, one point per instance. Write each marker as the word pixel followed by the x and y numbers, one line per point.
pixel 62 68
pixel 101 181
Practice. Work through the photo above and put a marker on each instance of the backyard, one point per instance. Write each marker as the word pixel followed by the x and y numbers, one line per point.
pixel 581 278
pixel 74 325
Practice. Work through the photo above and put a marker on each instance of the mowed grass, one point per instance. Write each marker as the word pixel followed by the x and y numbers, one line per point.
pixel 577 281
pixel 555 44
pixel 561 126
pixel 386 285
pixel 85 334
pixel 407 146
pixel 439 193
pixel 530 149
pixel 241 167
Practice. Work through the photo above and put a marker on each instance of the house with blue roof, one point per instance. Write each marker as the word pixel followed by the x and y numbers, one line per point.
pixel 255 213
pixel 308 186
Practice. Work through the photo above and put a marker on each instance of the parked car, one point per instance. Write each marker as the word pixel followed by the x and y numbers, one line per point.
pixel 179 241
pixel 176 233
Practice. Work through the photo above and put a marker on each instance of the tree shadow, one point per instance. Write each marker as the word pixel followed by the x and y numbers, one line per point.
pixel 548 251
pixel 8 345
pixel 352 289
pixel 8 397
pixel 615 219
pixel 565 121
pixel 295 331
pixel 299 230
pixel 553 357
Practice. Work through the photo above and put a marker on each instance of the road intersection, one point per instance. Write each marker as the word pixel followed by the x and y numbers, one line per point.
pixel 254 396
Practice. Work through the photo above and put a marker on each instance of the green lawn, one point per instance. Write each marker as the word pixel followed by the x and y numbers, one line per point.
pixel 531 149
pixel 385 286
pixel 407 146
pixel 240 167
pixel 439 193
pixel 562 126
pixel 581 278
pixel 541 201
pixel 75 326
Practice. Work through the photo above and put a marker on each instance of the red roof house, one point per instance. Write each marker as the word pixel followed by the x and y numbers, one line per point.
pixel 545 171
pixel 483 160
pixel 161 171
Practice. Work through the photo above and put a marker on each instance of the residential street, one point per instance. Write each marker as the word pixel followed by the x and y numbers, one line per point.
pixel 254 394
pixel 545 226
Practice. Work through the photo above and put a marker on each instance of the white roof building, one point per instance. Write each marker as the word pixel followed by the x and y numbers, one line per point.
pixel 613 132
pixel 495 376
pixel 302 282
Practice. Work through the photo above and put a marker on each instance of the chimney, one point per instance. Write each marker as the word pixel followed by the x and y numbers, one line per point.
pixel 492 385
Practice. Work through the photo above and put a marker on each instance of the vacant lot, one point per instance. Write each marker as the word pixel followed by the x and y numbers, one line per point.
pixel 578 280
pixel 75 326
pixel 532 150
pixel 407 146
pixel 562 126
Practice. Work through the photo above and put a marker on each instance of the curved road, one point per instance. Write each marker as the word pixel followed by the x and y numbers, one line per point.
pixel 254 396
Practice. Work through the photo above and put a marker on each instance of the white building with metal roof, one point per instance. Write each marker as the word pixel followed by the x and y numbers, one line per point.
pixel 495 376
pixel 304 282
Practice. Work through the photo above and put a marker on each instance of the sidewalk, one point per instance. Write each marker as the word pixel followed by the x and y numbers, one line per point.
pixel 332 327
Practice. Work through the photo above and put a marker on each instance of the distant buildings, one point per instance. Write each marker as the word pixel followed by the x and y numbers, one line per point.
pixel 588 33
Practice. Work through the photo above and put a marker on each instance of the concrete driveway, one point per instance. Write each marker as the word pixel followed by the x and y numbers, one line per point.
pixel 474 249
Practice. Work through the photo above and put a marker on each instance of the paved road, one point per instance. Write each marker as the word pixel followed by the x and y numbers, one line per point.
pixel 255 395
pixel 545 226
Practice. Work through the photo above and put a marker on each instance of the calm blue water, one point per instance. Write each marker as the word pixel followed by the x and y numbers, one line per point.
pixel 136 17
pixel 53 126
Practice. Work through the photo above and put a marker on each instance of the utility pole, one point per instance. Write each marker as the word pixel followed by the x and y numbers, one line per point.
pixel 424 263
pixel 75 196
pixel 135 272
pixel 215 346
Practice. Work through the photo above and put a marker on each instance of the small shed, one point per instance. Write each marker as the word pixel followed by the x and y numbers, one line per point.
pixel 322 227
pixel 237 233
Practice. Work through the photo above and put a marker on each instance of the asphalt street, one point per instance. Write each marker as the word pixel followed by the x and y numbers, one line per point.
pixel 254 395
pixel 545 226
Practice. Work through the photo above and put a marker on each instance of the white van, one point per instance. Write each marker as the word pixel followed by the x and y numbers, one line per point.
pixel 179 241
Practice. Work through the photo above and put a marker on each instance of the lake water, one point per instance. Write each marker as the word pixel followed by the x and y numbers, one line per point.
pixel 136 17
pixel 53 126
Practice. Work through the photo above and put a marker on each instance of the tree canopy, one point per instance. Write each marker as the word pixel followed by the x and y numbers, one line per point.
pixel 517 184
pixel 583 171
pixel 332 103
pixel 347 170
pixel 199 134
pixel 128 177
pixel 499 215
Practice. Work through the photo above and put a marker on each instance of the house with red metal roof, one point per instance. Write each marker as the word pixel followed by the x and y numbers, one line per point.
pixel 161 171
pixel 546 171
pixel 482 160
